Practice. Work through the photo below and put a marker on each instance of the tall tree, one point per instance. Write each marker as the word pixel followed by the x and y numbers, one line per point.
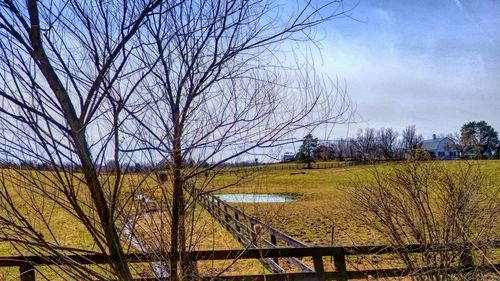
pixel 410 138
pixel 342 149
pixel 325 152
pixel 386 141
pixel 67 70
pixel 365 143
pixel 222 85
pixel 172 82
pixel 307 150
pixel 479 138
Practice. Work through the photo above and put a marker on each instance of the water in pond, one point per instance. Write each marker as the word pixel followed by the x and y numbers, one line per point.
pixel 254 198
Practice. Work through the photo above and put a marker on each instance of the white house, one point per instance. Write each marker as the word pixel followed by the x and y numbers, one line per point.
pixel 288 157
pixel 440 148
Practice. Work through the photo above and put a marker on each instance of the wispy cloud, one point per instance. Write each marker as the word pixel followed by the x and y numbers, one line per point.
pixel 420 62
pixel 474 20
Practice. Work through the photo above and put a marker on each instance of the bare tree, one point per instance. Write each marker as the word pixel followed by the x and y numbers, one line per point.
pixel 90 88
pixel 459 145
pixel 365 144
pixel 429 202
pixel 410 138
pixel 326 152
pixel 224 85
pixel 67 71
pixel 342 149
pixel 387 142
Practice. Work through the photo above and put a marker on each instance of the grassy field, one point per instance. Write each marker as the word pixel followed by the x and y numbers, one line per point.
pixel 321 214
pixel 70 232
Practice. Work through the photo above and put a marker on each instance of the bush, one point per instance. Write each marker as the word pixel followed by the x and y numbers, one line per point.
pixel 432 202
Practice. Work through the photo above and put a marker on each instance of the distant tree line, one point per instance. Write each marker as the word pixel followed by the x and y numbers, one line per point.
pixel 107 167
pixel 475 140
pixel 132 167
pixel 371 144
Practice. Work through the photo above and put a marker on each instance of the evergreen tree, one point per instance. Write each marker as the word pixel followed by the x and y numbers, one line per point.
pixel 307 150
pixel 479 138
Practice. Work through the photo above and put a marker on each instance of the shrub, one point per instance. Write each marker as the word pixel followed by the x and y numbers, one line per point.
pixel 432 202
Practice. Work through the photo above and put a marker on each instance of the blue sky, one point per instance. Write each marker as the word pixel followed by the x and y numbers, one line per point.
pixel 435 64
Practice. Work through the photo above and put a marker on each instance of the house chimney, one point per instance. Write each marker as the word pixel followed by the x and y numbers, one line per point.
pixel 433 136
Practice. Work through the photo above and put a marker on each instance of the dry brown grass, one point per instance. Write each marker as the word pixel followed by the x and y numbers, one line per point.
pixel 322 208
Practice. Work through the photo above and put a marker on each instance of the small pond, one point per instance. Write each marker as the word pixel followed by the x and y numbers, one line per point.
pixel 254 198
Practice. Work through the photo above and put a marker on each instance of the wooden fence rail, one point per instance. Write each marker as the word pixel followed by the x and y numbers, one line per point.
pixel 287 166
pixel 243 227
pixel 27 264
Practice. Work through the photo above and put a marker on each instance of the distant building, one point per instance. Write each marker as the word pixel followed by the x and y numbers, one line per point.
pixel 440 148
pixel 288 157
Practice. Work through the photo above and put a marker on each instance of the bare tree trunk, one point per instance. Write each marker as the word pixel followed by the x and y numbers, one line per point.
pixel 174 229
pixel 106 219
pixel 54 102
pixel 82 149
pixel 177 232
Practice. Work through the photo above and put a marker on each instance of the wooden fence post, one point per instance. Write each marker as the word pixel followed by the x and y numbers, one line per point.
pixel 208 204
pixel 274 242
pixel 318 267
pixel 27 272
pixel 340 264
pixel 226 217
pixel 212 205
pixel 219 212
pixel 236 223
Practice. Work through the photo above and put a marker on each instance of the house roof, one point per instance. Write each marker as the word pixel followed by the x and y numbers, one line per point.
pixel 433 144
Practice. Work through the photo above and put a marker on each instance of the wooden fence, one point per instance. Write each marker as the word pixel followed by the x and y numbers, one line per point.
pixel 285 166
pixel 27 264
pixel 243 227
pixel 250 231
